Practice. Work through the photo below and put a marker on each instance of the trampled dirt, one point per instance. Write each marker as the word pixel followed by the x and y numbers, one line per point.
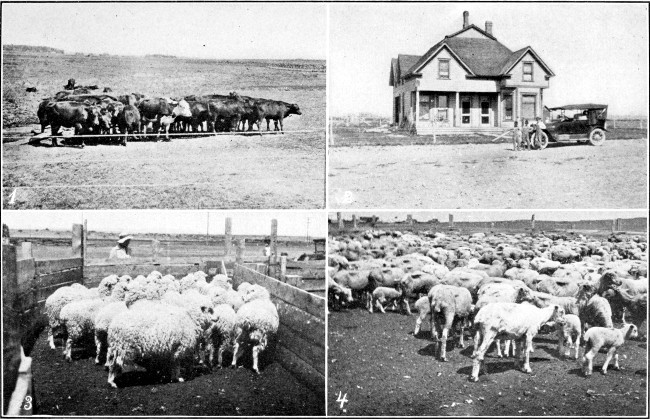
pixel 382 369
pixel 489 176
pixel 80 388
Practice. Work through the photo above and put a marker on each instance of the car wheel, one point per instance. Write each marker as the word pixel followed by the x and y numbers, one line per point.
pixel 597 137
pixel 541 143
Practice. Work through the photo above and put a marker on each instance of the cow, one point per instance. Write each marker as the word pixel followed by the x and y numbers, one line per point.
pixel 31 90
pixel 151 110
pixel 200 112
pixel 128 121
pixel 277 111
pixel 82 117
pixel 70 85
pixel 251 110
pixel 225 114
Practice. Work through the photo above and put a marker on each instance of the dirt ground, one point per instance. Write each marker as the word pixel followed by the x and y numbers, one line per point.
pixel 490 176
pixel 383 369
pixel 80 388
pixel 283 171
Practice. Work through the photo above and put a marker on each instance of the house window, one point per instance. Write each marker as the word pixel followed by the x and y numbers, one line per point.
pixel 528 107
pixel 507 108
pixel 443 105
pixel 443 69
pixel 426 103
pixel 528 71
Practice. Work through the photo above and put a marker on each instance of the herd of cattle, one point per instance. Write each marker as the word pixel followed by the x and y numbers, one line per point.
pixel 504 287
pixel 94 114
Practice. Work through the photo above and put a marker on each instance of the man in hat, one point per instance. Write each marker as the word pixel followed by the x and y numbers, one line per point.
pixel 122 250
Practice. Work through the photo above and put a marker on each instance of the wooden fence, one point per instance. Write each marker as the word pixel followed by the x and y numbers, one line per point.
pixel 300 344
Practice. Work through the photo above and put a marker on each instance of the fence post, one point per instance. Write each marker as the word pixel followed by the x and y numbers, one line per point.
pixel 532 222
pixel 613 225
pixel 77 239
pixel 274 240
pixel 339 219
pixel 283 268
pixel 26 250
pixel 241 246
pixel 451 221
pixel 228 236
pixel 354 221
pixel 409 219
pixel 155 249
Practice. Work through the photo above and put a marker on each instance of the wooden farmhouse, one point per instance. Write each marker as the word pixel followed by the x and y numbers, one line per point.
pixel 468 82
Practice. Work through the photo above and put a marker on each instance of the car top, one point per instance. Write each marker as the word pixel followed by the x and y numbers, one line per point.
pixel 580 106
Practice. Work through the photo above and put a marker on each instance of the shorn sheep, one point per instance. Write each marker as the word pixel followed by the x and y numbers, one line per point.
pixel 424 308
pixel 449 304
pixel 568 331
pixel 510 321
pixel 257 322
pixel 609 338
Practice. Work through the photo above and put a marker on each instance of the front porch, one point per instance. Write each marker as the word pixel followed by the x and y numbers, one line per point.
pixel 455 111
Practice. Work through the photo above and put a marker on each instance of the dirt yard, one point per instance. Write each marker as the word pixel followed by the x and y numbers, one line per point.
pixel 383 369
pixel 490 176
pixel 80 388
pixel 277 171
pixel 283 171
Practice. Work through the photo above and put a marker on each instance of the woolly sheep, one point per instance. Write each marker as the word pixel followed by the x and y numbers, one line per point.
pixel 55 302
pixel 257 322
pixel 222 334
pixel 242 288
pixel 78 317
pixel 593 309
pixel 448 304
pixel 153 335
pixel 385 295
pixel 105 316
pixel 511 321
pixel 231 297
pixel 609 338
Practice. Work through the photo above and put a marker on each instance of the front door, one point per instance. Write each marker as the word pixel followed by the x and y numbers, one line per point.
pixel 465 110
pixel 485 111
pixel 397 110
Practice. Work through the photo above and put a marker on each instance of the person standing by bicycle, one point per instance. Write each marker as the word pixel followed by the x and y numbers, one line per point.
pixel 525 133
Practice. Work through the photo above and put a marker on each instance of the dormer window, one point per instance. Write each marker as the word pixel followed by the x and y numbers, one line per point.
pixel 528 71
pixel 443 69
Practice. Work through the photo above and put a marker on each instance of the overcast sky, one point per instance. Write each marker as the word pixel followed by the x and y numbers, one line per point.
pixel 502 215
pixel 208 30
pixel 290 223
pixel 599 52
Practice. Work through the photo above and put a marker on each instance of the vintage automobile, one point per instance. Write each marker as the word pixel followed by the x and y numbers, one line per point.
pixel 582 123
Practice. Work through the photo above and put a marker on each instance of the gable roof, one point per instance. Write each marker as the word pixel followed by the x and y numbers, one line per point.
pixel 482 57
pixel 518 55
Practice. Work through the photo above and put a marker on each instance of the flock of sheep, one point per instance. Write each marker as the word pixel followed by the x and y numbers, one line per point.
pixel 163 324
pixel 504 287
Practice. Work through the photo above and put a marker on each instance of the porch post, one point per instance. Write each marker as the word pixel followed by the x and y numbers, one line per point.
pixel 457 110
pixel 499 110
pixel 417 107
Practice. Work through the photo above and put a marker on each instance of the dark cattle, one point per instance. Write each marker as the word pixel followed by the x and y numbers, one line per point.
pixel 226 114
pixel 80 116
pixel 151 110
pixel 277 111
pixel 105 121
pixel 42 114
pixel 70 85
pixel 31 90
pixel 251 110
pixel 107 89
pixel 128 121
pixel 92 87
pixel 128 99
pixel 80 91
pixel 200 114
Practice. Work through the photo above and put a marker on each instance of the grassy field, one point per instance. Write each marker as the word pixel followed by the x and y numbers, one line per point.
pixel 278 171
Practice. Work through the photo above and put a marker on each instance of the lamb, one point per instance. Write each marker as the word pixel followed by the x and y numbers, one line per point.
pixel 568 330
pixel 55 302
pixel 78 317
pixel 257 322
pixel 510 321
pixel 155 335
pixel 448 304
pixel 610 338
pixel 384 295
pixel 424 308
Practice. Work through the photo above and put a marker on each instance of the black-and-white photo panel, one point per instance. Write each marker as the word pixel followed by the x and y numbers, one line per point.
pixel 468 105
pixel 199 313
pixel 163 105
pixel 490 313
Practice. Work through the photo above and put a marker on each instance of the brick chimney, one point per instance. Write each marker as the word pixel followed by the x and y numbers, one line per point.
pixel 465 19
pixel 488 27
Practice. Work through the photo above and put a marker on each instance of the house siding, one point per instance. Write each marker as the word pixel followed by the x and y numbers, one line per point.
pixel 517 73
pixel 457 81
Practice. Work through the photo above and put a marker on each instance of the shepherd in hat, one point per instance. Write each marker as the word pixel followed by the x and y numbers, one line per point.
pixel 122 250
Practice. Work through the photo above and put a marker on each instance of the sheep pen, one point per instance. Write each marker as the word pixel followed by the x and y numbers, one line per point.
pixel 378 366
